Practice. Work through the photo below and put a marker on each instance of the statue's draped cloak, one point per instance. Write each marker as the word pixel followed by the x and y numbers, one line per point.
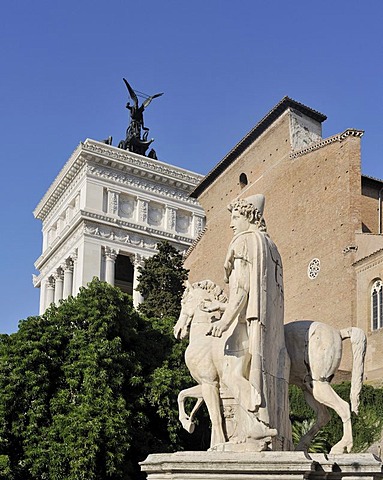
pixel 254 265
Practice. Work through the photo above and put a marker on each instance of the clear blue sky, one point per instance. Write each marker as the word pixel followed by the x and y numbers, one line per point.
pixel 222 65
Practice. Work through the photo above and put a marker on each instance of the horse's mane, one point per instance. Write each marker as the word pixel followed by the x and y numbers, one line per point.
pixel 212 288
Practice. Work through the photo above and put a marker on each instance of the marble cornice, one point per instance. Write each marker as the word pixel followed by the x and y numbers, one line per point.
pixel 140 183
pixel 60 185
pixel 72 230
pixel 139 165
pixel 350 132
pixel 121 165
pixel 50 258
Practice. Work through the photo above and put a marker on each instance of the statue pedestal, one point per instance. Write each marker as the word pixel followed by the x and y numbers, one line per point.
pixel 261 466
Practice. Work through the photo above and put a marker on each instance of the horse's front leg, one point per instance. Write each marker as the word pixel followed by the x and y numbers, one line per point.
pixel 210 393
pixel 187 421
pixel 180 329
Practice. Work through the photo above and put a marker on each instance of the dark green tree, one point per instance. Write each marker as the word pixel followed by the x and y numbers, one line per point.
pixel 72 381
pixel 161 282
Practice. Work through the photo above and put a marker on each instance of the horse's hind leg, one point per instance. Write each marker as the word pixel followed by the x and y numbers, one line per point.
pixel 324 393
pixel 188 420
pixel 322 418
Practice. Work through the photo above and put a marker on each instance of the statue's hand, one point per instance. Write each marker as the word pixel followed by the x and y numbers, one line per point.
pixel 209 306
pixel 218 328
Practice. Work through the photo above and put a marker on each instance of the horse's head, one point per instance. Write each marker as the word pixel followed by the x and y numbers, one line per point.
pixel 194 301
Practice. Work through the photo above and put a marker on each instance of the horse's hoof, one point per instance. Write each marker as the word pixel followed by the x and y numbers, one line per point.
pixel 188 425
pixel 340 448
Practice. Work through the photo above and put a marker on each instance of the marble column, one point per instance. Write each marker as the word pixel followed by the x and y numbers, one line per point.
pixel 137 297
pixel 50 292
pixel 110 263
pixel 59 285
pixel 68 278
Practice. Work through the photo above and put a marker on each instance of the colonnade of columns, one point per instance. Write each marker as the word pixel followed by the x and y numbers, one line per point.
pixel 111 255
pixel 60 284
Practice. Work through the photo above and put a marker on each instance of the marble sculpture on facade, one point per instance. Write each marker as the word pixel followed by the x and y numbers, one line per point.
pixel 243 357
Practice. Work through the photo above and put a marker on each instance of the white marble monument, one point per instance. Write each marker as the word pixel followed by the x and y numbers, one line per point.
pixel 105 212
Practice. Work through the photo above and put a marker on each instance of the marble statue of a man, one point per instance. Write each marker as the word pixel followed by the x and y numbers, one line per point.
pixel 256 364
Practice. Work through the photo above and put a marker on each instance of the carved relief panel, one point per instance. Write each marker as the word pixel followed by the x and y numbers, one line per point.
pixel 155 214
pixel 183 222
pixel 127 206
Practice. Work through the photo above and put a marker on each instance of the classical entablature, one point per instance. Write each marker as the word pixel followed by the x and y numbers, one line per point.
pixel 106 204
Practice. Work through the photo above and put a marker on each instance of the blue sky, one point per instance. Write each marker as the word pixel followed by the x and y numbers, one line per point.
pixel 221 64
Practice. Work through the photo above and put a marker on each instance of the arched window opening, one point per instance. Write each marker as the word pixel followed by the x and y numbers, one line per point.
pixel 377 305
pixel 243 180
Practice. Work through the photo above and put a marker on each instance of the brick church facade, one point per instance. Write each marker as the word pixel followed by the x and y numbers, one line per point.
pixel 324 215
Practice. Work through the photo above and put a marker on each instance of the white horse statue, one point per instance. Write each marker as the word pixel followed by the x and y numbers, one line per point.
pixel 315 351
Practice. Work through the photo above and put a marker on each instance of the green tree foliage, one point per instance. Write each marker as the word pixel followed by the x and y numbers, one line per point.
pixel 319 443
pixel 161 282
pixel 162 279
pixel 367 425
pixel 72 385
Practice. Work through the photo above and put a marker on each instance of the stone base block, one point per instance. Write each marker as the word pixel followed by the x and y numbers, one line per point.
pixel 261 466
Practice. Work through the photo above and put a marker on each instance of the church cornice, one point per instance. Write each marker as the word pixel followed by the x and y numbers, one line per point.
pixel 350 132
pixel 369 261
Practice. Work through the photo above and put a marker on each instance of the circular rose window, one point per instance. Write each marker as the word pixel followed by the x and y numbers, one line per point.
pixel 314 268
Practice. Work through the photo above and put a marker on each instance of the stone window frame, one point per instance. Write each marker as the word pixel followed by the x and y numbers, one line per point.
pixel 376 295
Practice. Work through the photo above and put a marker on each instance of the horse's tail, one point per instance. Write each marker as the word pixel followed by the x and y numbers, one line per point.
pixel 358 344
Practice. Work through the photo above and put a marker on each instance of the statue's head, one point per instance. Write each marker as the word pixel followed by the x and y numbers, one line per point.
pixel 251 209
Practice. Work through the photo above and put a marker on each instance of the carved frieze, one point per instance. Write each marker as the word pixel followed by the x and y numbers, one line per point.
pixel 142 163
pixel 140 183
